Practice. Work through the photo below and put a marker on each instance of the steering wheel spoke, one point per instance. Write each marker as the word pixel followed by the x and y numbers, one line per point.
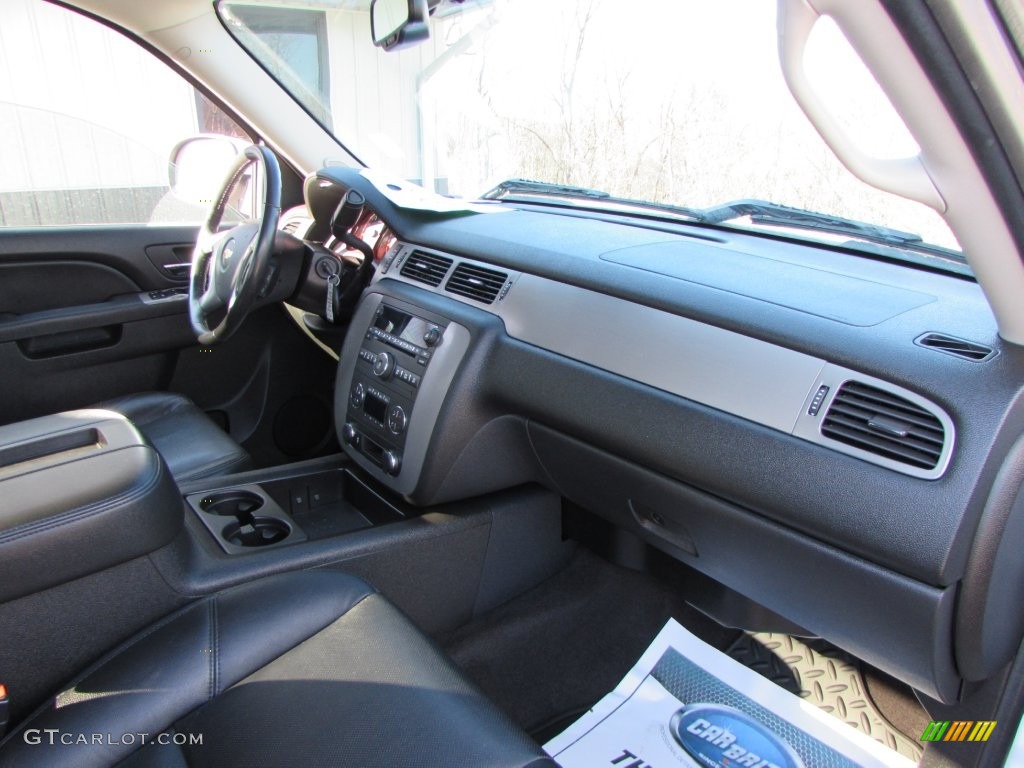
pixel 210 302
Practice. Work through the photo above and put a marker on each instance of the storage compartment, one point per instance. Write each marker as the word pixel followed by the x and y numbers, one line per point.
pixel 254 517
pixel 82 491
pixel 831 593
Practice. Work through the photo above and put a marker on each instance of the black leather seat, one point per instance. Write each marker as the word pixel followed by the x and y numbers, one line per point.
pixel 192 445
pixel 308 668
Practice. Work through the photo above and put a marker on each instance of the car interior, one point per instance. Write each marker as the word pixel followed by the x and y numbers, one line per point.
pixel 354 480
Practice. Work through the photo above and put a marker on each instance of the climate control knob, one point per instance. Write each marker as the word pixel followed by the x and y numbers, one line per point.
pixel 384 365
pixel 392 462
pixel 357 396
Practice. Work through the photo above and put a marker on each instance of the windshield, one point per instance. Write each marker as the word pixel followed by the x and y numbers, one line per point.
pixel 675 102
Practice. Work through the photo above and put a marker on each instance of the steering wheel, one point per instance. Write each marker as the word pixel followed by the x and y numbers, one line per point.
pixel 230 266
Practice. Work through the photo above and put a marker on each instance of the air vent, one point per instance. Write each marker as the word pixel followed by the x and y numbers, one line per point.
pixel 951 345
pixel 885 424
pixel 425 267
pixel 294 225
pixel 475 282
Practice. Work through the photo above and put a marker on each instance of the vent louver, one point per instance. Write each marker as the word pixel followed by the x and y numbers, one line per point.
pixel 951 345
pixel 293 225
pixel 426 267
pixel 476 283
pixel 885 424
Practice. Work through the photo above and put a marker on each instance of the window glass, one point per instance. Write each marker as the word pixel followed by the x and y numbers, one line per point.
pixel 89 120
pixel 293 47
pixel 678 102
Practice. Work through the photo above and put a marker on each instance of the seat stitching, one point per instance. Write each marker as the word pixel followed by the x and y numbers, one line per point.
pixel 107 658
pixel 131 642
pixel 89 510
pixel 149 412
pixel 211 612
pixel 239 457
pixel 216 648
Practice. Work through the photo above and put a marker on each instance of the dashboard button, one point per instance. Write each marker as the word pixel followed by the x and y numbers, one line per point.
pixel 397 420
pixel 349 434
pixel 432 336
pixel 358 396
pixel 392 462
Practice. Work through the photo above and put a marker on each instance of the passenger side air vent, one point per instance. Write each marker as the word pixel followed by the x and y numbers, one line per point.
pixel 951 345
pixel 476 283
pixel 885 424
pixel 426 267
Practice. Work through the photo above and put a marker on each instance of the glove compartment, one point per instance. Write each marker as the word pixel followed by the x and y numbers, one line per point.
pixel 847 600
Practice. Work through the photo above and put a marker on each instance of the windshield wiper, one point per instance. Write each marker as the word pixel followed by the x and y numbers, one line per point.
pixel 767 213
pixel 512 186
pixel 515 189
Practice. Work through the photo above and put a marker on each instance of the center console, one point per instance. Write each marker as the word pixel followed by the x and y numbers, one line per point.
pixel 108 499
pixel 399 361
pixel 300 505
pixel 397 365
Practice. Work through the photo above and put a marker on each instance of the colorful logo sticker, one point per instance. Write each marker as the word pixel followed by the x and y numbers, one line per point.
pixel 958 730
pixel 723 737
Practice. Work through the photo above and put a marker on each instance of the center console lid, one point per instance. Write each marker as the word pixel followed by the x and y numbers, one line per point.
pixel 82 491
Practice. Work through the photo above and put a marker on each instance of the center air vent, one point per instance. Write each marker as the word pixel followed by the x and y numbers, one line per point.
pixel 476 283
pixel 426 267
pixel 885 424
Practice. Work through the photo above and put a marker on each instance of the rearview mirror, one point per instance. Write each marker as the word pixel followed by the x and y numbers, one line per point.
pixel 398 23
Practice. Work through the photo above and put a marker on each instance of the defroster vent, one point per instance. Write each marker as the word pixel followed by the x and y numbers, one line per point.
pixel 426 267
pixel 476 283
pixel 951 345
pixel 885 424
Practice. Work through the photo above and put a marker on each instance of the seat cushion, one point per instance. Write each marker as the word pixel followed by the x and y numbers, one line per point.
pixel 192 445
pixel 309 668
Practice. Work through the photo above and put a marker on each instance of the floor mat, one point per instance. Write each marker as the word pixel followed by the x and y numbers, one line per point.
pixel 826 676
pixel 547 656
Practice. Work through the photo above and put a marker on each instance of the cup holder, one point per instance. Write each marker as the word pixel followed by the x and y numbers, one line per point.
pixel 257 532
pixel 245 519
pixel 232 504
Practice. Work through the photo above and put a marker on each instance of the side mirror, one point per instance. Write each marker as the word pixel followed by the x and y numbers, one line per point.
pixel 398 23
pixel 198 165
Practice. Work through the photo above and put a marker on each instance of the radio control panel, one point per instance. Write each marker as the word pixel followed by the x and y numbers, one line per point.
pixel 396 365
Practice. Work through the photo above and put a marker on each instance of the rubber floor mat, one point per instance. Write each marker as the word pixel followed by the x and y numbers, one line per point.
pixel 824 675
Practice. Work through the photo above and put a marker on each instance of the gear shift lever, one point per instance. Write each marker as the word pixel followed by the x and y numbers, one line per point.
pixel 347 213
pixel 352 282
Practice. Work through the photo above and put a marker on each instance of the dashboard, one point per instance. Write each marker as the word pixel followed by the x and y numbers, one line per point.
pixel 836 438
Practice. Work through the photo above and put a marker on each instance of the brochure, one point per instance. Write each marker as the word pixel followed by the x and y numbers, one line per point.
pixel 687 704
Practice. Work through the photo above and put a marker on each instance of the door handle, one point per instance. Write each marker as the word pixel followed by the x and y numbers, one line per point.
pixel 178 270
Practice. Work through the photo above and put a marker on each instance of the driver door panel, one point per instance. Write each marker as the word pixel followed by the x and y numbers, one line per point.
pixel 74 326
